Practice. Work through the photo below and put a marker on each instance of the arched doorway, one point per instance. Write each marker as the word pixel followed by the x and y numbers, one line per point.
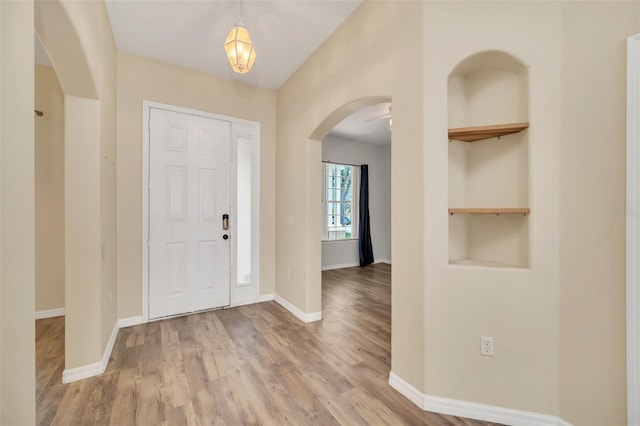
pixel 316 139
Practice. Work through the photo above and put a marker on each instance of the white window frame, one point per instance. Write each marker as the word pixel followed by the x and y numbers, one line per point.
pixel 355 202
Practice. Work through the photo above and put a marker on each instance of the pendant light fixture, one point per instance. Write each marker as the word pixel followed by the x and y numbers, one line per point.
pixel 239 47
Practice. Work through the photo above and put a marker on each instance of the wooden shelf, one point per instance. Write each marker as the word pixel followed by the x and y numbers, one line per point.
pixel 490 210
pixel 477 133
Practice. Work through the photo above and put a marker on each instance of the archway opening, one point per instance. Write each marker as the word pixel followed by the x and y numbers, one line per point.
pixel 81 188
pixel 356 134
pixel 351 195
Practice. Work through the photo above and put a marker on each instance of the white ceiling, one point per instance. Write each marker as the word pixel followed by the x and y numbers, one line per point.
pixel 367 125
pixel 191 33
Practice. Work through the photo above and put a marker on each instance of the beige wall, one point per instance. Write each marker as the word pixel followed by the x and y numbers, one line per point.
pixel 543 319
pixel 145 79
pixel 49 190
pixel 592 184
pixel 372 54
pixel 82 224
pixel 17 260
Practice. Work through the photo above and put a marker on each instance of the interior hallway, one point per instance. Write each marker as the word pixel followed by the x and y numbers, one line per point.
pixel 255 364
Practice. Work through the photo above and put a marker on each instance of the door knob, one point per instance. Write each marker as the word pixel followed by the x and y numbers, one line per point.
pixel 225 237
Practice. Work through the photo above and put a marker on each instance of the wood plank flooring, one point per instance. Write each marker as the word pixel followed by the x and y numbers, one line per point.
pixel 255 364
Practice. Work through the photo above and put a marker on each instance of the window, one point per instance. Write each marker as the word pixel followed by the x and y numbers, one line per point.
pixel 340 207
pixel 244 164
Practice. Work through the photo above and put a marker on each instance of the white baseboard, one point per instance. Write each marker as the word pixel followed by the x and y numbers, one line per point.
pixel 50 313
pixel 95 369
pixel 472 410
pixel 130 321
pixel 490 413
pixel 82 372
pixel 112 341
pixel 352 264
pixel 340 266
pixel 314 316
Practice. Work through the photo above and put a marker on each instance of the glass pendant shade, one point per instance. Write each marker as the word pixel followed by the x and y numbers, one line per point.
pixel 240 49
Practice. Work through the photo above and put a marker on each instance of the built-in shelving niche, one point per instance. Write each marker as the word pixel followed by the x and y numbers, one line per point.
pixel 489 178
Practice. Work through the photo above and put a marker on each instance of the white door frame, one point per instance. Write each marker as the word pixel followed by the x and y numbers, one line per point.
pixel 633 230
pixel 238 127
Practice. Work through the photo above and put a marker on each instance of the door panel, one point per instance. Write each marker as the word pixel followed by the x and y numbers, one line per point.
pixel 189 185
pixel 176 193
pixel 177 257
pixel 207 199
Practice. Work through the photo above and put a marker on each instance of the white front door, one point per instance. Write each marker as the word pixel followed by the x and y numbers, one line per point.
pixel 189 185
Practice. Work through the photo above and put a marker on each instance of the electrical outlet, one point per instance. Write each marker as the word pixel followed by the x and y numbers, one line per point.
pixel 110 299
pixel 486 345
pixel 288 274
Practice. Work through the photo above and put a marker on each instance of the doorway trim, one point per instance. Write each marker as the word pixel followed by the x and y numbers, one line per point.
pixel 633 230
pixel 239 127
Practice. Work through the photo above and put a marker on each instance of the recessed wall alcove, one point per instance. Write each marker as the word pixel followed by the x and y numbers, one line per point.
pixel 488 98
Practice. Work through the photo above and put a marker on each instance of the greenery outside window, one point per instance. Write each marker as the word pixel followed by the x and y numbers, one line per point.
pixel 340 201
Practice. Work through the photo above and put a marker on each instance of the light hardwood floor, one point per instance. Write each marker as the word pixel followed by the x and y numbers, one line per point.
pixel 255 364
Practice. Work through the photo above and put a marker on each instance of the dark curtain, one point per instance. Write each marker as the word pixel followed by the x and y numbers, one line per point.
pixel 364 233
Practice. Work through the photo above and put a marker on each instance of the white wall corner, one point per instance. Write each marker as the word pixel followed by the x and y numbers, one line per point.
pixel 96 368
pixel 50 313
pixel 130 321
pixel 314 316
pixel 472 410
